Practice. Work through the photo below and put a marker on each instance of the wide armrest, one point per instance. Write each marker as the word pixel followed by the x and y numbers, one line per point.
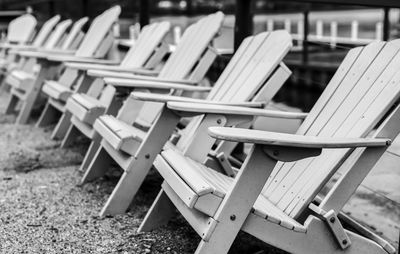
pixel 69 58
pixel 199 108
pixel 18 46
pixel 164 98
pixel 109 70
pixel 58 51
pixel 129 83
pixel 292 140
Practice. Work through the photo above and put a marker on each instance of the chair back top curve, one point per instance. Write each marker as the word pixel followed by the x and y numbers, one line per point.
pixel 182 61
pixel 193 44
pixel 45 31
pixel 73 34
pixel 149 38
pixel 57 35
pixel 21 29
pixel 363 89
pixel 98 30
pixel 246 73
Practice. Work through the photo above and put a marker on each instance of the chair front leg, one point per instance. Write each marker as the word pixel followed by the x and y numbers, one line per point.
pixel 138 169
pixel 238 202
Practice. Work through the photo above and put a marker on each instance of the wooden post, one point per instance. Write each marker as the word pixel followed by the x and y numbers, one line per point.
pixel 305 36
pixel 52 9
pixel 243 21
pixel 386 24
pixel 85 8
pixel 144 16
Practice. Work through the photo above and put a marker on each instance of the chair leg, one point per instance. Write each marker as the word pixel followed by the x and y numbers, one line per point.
pixel 48 116
pixel 12 103
pixel 126 189
pixel 62 126
pixel 26 109
pixel 94 146
pixel 160 212
pixel 69 136
pixel 238 202
pixel 98 166
pixel 46 72
pixel 138 169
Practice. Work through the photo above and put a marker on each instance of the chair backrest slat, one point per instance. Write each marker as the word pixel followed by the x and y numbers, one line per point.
pixel 359 100
pixel 98 30
pixel 194 42
pixel 149 38
pixel 253 63
pixel 57 34
pixel 21 29
pixel 73 34
pixel 45 31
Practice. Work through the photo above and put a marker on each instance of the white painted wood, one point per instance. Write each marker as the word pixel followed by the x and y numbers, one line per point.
pixel 21 29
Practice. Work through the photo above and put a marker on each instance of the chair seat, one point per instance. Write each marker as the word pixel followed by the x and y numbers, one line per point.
pixel 120 135
pixel 204 181
pixel 20 80
pixel 86 108
pixel 56 90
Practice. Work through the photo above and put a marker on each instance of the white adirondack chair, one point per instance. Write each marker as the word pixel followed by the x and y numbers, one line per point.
pixel 26 64
pixel 273 196
pixel 254 74
pixel 9 60
pixel 95 45
pixel 193 58
pixel 145 55
pixel 20 30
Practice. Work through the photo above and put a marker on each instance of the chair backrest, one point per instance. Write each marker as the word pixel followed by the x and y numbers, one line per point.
pixel 57 35
pixel 76 30
pixel 360 93
pixel 194 42
pixel 45 31
pixel 98 30
pixel 149 38
pixel 21 29
pixel 182 61
pixel 251 66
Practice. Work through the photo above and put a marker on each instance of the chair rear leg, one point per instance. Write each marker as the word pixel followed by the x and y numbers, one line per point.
pixel 69 136
pixel 62 126
pixel 12 103
pixel 94 146
pixel 27 108
pixel 160 212
pixel 48 116
pixel 98 166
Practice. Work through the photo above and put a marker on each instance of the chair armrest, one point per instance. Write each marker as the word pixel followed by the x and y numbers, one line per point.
pixel 292 140
pixel 69 58
pixel 132 83
pixel 192 109
pixel 91 66
pixel 58 51
pixel 164 98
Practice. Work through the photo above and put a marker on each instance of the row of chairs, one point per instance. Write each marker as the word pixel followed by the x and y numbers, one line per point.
pixel 188 131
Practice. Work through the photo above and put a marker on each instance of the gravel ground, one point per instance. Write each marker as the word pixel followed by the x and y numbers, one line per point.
pixel 45 210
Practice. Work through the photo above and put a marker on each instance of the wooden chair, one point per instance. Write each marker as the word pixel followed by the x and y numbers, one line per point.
pixel 274 197
pixel 147 53
pixel 193 52
pixel 95 45
pixel 10 60
pixel 20 30
pixel 25 67
pixel 255 74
